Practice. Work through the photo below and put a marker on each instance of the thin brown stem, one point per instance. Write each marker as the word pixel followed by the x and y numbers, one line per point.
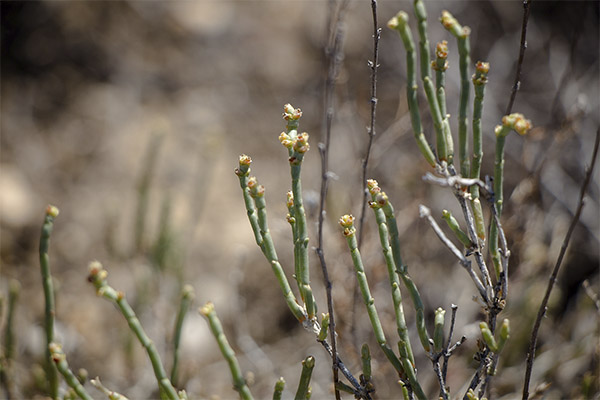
pixel 522 47
pixel 333 54
pixel 543 306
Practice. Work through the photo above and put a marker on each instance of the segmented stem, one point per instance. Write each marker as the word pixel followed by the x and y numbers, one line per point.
pixel 279 386
pixel 347 222
pixel 97 277
pixel 60 360
pixel 239 383
pixel 187 296
pixel 262 235
pixel 303 391
pixel 400 24
pixel 479 82
pixel 49 311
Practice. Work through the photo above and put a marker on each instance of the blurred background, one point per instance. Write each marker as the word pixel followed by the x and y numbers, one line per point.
pixel 129 117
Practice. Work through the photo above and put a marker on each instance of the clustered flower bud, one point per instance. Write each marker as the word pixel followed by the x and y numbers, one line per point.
pixel 301 143
pixel 515 121
pixel 290 113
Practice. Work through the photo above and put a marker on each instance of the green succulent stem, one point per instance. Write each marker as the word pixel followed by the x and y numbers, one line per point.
pixel 421 14
pixel 49 311
pixel 410 371
pixel 187 296
pixel 479 83
pixel 60 360
pixel 462 37
pixel 438 332
pixel 263 237
pixel 97 276
pixel 303 391
pixel 439 121
pixel 499 196
pixel 365 357
pixel 455 227
pixel 402 270
pixel 107 392
pixel 384 240
pixel 239 383
pixel 297 145
pixel 347 222
pixel 400 24
pixel 278 390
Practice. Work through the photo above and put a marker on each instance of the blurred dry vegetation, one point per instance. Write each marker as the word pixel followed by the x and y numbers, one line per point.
pixel 100 99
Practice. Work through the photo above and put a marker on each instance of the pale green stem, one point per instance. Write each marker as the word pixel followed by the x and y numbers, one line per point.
pixel 453 225
pixel 187 296
pixel 98 277
pixel 51 373
pixel 239 383
pixel 392 274
pixel 402 270
pixel 278 391
pixel 462 36
pixel 60 360
pixel 266 244
pixel 365 356
pixel 479 82
pixel 411 372
pixel 303 392
pixel 107 392
pixel 349 233
pixel 498 193
pixel 400 24
pixel 438 332
pixel 421 14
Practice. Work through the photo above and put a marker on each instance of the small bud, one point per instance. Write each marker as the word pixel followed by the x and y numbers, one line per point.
pixel 441 50
pixel 52 211
pixel 207 309
pixel 482 67
pixel 290 199
pixel 286 140
pixel 301 144
pixel 381 199
pixel 291 113
pixel 252 182
pixel 399 21
pixel 346 221
pixel 245 160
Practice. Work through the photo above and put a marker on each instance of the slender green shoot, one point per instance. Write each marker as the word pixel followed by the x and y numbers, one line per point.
pixel 411 371
pixel 187 296
pixel 297 145
pixel 303 391
pixel 347 222
pixel 495 345
pixel 324 327
pixel 109 393
pixel 440 65
pixel 438 331
pixel 519 124
pixel 479 82
pixel 279 386
pixel 239 383
pixel 378 200
pixel 262 235
pixel 60 360
pixel 365 356
pixel 402 270
pixel 455 227
pixel 462 36
pixel 97 276
pixel 6 360
pixel 421 14
pixel 50 312
pixel 399 23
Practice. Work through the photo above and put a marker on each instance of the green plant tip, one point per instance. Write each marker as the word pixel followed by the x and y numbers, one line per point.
pixel 207 309
pixel 52 211
pixel 399 21
pixel 516 122
pixel 290 113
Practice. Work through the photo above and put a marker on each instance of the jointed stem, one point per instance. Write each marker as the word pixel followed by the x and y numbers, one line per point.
pixel 400 24
pixel 51 373
pixel 187 296
pixel 60 360
pixel 303 391
pixel 262 235
pixel 98 277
